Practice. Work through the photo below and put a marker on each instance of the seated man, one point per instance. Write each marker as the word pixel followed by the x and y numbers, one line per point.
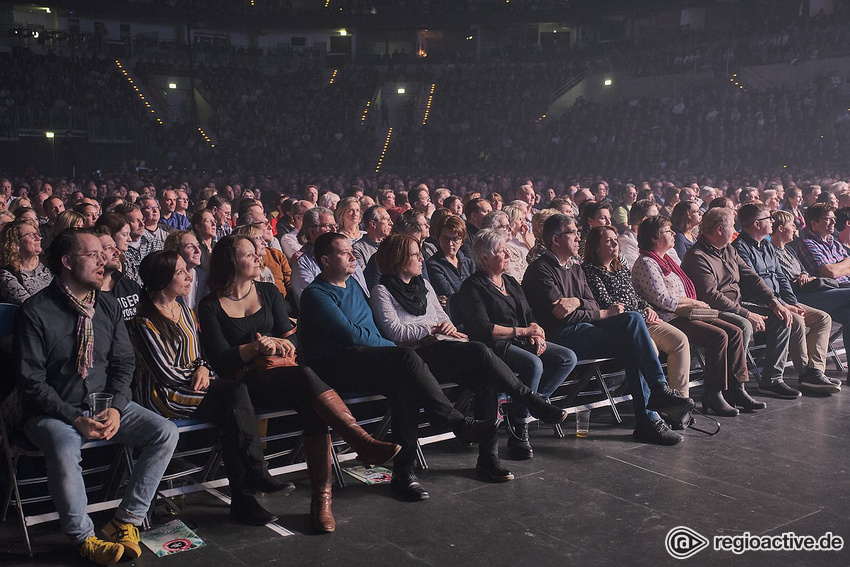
pixel 72 342
pixel 305 268
pixel 819 251
pixel 564 306
pixel 720 277
pixel 808 350
pixel 340 341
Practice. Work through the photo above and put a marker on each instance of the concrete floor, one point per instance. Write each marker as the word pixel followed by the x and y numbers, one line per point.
pixel 602 500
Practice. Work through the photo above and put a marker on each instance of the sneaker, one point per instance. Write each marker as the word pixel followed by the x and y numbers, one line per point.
pixel 779 390
pixel 101 552
pixel 658 433
pixel 836 381
pixel 814 380
pixel 125 534
pixel 490 469
pixel 663 397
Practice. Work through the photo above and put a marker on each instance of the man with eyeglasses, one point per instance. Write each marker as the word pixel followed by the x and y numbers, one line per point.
pixel 808 349
pixel 721 278
pixel 317 221
pixel 289 242
pixel 170 216
pixel 221 210
pixel 154 229
pixel 564 305
pixel 378 225
pixel 72 342
pixel 819 251
pixel 125 291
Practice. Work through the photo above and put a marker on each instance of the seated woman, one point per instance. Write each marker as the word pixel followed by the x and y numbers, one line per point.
pixel 449 267
pixel 685 222
pixel 347 215
pixel 611 283
pixel 186 244
pixel 246 333
pixel 119 230
pixel 255 233
pixel 495 312
pixel 172 378
pixel 660 281
pixel 21 272
pixel 408 312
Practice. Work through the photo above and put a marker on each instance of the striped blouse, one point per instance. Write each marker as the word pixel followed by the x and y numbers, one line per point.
pixel 164 369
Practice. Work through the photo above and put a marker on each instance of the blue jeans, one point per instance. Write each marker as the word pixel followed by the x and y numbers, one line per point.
pixel 625 337
pixel 60 442
pixel 543 374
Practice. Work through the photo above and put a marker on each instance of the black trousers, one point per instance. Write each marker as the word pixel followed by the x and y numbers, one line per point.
pixel 474 366
pixel 399 374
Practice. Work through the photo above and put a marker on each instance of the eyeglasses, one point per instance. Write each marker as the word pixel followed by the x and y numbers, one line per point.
pixel 93 256
pixel 665 231
pixel 32 235
pixel 418 256
pixel 828 220
pixel 183 199
pixel 450 239
pixel 151 208
pixel 331 227
pixel 261 224
pixel 761 219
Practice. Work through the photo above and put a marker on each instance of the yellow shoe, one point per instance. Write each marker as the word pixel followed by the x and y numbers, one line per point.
pixel 101 552
pixel 125 534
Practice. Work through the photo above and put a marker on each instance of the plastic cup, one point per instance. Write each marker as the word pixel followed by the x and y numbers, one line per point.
pixel 99 403
pixel 582 423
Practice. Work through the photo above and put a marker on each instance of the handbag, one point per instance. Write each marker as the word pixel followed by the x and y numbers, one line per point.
pixel 698 313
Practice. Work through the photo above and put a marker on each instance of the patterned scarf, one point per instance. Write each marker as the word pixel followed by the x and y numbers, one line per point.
pixel 667 266
pixel 85 330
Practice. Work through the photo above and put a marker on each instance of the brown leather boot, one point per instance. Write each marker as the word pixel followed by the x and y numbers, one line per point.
pixel 370 451
pixel 319 468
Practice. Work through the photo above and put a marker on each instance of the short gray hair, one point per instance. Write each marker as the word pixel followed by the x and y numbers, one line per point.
pixel 485 243
pixel 491 219
pixel 310 219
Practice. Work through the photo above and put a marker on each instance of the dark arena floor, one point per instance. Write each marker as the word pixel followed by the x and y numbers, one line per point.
pixel 601 500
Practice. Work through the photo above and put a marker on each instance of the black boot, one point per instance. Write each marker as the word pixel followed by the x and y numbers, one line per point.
pixel 519 446
pixel 244 508
pixel 241 440
pixel 738 396
pixel 539 407
pixel 714 402
pixel 489 468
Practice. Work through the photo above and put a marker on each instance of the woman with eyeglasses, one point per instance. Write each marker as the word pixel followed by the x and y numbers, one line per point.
pixel 21 272
pixel 448 267
pixel 407 312
pixel 245 334
pixel 663 284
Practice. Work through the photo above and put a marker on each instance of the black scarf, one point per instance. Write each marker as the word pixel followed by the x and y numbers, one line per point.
pixel 413 296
